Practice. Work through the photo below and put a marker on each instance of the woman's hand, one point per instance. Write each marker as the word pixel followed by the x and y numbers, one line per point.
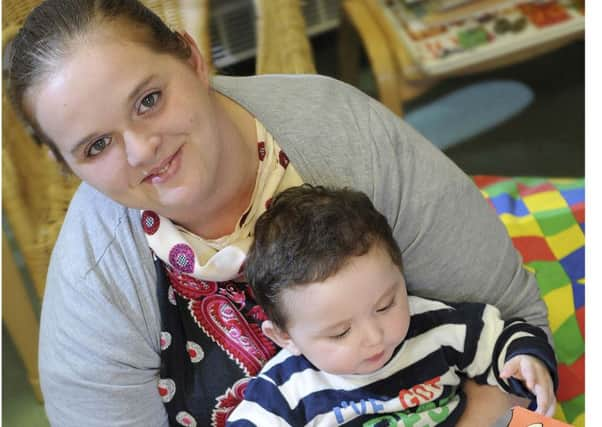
pixel 536 377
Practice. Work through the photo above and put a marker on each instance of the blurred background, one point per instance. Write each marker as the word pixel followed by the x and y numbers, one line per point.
pixel 523 119
pixel 527 118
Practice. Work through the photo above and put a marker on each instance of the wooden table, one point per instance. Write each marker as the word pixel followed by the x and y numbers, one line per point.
pixel 405 65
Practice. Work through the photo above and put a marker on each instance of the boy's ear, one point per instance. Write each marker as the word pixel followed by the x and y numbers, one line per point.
pixel 279 337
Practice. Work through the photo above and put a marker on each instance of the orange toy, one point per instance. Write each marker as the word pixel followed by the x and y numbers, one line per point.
pixel 522 417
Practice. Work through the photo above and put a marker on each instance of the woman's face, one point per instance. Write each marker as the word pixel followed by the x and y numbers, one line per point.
pixel 139 126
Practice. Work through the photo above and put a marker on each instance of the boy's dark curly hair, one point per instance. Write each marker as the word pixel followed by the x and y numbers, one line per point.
pixel 307 235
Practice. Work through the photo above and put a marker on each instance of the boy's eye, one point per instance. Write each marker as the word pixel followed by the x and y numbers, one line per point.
pixel 148 102
pixel 387 306
pixel 341 335
pixel 98 146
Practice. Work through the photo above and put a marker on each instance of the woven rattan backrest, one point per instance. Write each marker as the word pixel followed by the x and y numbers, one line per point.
pixel 282 42
pixel 189 15
pixel 35 190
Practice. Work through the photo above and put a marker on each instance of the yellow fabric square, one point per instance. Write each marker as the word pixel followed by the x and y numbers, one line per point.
pixel 545 201
pixel 559 413
pixel 566 241
pixel 579 421
pixel 519 226
pixel 560 306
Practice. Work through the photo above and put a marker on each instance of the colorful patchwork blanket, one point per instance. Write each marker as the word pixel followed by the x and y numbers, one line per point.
pixel 545 219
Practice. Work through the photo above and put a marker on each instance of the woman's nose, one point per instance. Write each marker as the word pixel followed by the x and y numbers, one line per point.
pixel 140 147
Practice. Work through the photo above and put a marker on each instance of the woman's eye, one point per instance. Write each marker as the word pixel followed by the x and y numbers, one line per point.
pixel 386 307
pixel 148 102
pixel 341 335
pixel 98 146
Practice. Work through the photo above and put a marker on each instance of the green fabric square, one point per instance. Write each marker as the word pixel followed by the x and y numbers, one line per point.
pixel 550 275
pixel 570 185
pixel 569 342
pixel 508 187
pixel 555 220
pixel 573 408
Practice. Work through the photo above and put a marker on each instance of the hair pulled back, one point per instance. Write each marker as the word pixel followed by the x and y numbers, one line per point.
pixel 52 29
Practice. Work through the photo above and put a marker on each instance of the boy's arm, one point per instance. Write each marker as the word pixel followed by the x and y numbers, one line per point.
pixel 521 339
pixel 536 377
pixel 490 342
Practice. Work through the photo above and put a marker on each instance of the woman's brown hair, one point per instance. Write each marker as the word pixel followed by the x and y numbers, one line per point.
pixel 52 29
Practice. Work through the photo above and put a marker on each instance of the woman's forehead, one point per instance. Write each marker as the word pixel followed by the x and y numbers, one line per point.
pixel 89 84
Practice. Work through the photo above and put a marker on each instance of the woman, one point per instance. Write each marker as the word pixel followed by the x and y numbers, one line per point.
pixel 147 317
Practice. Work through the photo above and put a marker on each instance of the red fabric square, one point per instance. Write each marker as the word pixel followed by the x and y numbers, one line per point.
pixel 571 380
pixel 578 210
pixel 533 248
pixel 524 190
pixel 486 180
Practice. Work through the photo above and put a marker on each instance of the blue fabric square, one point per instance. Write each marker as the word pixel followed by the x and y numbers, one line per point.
pixel 574 264
pixel 578 295
pixel 505 203
pixel 573 196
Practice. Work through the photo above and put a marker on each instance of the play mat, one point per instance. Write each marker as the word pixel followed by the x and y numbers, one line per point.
pixel 546 220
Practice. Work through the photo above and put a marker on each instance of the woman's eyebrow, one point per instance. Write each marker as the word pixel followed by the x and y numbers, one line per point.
pixel 130 98
pixel 139 87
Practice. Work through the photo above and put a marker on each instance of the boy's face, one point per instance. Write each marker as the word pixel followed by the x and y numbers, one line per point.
pixel 352 322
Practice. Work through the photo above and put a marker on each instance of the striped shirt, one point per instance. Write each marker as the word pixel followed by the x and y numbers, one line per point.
pixel 419 386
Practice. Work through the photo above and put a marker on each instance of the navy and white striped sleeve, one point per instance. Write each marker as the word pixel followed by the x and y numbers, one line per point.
pixel 491 342
pixel 263 405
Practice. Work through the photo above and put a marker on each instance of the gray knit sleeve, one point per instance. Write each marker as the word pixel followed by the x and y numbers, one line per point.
pixel 454 246
pixel 100 325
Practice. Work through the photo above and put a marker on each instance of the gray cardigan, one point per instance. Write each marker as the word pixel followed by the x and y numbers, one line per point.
pixel 100 326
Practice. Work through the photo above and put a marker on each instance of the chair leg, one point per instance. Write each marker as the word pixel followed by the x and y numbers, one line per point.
pixel 19 317
pixel 348 50
pixel 355 15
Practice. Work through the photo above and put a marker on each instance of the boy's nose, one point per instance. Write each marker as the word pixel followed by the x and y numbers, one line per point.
pixel 373 334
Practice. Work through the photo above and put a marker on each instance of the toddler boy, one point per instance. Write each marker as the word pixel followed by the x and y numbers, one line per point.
pixel 356 349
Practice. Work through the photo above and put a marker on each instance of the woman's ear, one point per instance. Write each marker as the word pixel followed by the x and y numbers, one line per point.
pixel 280 337
pixel 196 58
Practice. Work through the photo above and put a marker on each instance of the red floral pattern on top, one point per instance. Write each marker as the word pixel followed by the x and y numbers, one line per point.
pixel 167 389
pixel 229 401
pixel 217 310
pixel 227 314
pixel 185 419
pixel 189 287
pixel 245 342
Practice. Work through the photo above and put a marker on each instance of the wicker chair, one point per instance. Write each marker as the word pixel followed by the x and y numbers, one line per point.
pixel 36 193
pixel 282 43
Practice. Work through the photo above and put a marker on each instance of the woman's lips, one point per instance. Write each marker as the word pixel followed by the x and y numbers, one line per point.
pixel 168 169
